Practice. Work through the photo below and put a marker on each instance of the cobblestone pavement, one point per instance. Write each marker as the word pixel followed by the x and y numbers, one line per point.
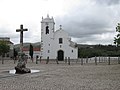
pixel 61 77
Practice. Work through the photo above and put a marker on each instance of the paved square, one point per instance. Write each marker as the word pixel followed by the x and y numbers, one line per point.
pixel 61 77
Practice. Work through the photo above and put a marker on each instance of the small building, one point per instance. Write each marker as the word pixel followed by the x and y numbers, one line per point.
pixel 36 52
pixel 56 43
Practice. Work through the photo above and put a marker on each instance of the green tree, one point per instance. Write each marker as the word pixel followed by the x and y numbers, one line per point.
pixel 117 38
pixel 4 48
pixel 31 51
pixel 15 54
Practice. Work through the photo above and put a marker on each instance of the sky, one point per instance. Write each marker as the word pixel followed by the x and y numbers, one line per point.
pixel 86 21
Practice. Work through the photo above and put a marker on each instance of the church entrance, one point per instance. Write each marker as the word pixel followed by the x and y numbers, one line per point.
pixel 60 55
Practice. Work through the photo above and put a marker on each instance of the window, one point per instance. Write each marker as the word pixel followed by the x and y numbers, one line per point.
pixel 60 40
pixel 48 51
pixel 60 46
pixel 47 29
pixel 72 51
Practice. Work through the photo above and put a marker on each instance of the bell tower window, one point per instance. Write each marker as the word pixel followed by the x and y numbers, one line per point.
pixel 47 29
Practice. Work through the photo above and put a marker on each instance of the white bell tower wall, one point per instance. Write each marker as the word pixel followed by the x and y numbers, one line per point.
pixel 47 31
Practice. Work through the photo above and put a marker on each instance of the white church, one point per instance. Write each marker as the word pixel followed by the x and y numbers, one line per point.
pixel 56 43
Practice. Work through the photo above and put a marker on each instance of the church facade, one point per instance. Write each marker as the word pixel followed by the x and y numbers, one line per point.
pixel 56 44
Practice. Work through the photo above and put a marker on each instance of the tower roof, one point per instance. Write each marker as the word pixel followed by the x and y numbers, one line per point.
pixel 47 19
pixel 60 27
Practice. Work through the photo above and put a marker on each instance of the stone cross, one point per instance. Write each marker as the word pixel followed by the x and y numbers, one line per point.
pixel 21 36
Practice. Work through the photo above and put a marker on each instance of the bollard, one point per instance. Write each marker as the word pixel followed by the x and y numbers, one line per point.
pixel 102 59
pixel 47 60
pixel 2 60
pixel 95 60
pixel 87 60
pixel 81 61
pixel 118 60
pixel 68 60
pixel 40 59
pixel 65 59
pixel 99 59
pixel 57 60
pixel 36 59
pixel 108 60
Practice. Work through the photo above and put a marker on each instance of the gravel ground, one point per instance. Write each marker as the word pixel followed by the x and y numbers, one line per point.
pixel 61 77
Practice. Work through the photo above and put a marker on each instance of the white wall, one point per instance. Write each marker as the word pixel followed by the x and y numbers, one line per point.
pixel 51 42
pixel 65 46
pixel 46 38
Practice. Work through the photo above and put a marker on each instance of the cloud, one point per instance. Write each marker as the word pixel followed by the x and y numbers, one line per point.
pixel 105 38
pixel 91 22
pixel 108 2
pixel 87 21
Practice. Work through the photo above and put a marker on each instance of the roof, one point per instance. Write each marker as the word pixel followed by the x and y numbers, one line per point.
pixel 34 49
pixel 60 32
pixel 8 42
pixel 6 39
pixel 47 19
pixel 73 44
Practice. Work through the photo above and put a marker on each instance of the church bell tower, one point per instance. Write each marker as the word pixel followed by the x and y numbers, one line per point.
pixel 47 31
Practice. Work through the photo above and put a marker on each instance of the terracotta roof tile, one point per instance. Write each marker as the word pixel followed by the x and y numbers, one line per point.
pixel 34 49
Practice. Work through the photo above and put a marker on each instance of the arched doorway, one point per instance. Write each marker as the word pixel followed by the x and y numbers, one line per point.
pixel 60 55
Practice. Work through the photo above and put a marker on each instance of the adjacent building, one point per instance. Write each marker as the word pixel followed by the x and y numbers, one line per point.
pixel 36 52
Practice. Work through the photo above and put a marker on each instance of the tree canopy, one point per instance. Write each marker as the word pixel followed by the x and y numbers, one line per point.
pixel 31 51
pixel 99 50
pixel 117 38
pixel 4 47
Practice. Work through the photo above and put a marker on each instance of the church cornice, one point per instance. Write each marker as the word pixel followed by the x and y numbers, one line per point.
pixel 48 22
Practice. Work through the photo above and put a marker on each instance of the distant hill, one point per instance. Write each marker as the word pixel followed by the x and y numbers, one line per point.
pixel 84 46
